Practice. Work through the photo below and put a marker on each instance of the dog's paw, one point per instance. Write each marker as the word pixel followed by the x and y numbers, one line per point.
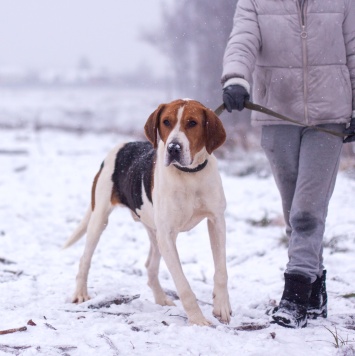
pixel 163 301
pixel 80 298
pixel 222 309
pixel 200 320
pixel 223 317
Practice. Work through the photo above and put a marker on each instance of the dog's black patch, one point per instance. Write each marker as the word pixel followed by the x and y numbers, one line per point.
pixel 134 164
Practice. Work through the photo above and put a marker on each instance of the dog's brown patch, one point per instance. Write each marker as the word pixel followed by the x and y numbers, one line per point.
pixel 115 200
pixel 93 189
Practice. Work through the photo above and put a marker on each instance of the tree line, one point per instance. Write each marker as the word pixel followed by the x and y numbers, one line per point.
pixel 193 36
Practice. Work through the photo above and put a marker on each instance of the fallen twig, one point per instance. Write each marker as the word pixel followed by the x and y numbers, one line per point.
pixel 122 299
pixel 171 293
pixel 110 343
pixel 6 261
pixel 50 326
pixel 13 349
pixel 13 152
pixel 244 327
pixel 203 303
pixel 180 316
pixel 16 273
pixel 98 311
pixel 250 327
pixel 65 348
pixel 10 331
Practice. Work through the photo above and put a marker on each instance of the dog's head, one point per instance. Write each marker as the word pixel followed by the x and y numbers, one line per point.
pixel 187 128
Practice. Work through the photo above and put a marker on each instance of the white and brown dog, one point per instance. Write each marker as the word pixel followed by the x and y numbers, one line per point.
pixel 170 187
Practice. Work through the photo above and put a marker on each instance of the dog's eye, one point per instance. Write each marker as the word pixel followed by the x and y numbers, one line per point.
pixel 166 122
pixel 192 123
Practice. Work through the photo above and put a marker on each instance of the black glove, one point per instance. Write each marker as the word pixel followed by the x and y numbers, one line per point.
pixel 350 132
pixel 234 97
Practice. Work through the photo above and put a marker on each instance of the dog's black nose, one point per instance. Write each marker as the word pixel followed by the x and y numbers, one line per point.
pixel 174 149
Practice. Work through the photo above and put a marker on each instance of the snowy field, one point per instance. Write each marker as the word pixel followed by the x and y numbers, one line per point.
pixel 45 184
pixel 77 109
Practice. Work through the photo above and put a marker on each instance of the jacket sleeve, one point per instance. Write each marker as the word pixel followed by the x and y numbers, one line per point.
pixel 243 44
pixel 349 39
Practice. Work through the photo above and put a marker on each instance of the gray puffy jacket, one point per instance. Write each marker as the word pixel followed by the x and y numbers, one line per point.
pixel 301 58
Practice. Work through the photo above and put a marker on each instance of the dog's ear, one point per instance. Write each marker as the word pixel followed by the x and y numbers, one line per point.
pixel 152 124
pixel 215 132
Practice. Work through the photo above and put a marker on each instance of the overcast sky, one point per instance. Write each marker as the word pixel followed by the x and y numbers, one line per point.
pixel 57 33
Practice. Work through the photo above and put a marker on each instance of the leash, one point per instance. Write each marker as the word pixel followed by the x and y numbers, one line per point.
pixel 219 110
pixel 255 107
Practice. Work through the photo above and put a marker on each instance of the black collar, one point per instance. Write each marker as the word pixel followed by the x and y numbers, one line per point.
pixel 192 170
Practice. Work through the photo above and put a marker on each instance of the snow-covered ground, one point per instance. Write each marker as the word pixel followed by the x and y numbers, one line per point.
pixel 45 182
pixel 103 109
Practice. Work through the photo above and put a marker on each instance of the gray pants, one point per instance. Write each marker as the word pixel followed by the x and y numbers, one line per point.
pixel 304 163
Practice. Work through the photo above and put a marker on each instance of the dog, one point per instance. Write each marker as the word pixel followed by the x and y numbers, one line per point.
pixel 170 185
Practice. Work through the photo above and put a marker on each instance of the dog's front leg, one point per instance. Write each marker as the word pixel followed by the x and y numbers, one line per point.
pixel 167 246
pixel 221 305
pixel 152 266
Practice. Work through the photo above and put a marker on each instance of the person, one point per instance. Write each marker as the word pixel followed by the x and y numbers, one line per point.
pixel 299 58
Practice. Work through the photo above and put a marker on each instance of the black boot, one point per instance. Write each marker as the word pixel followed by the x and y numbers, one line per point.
pixel 292 310
pixel 318 300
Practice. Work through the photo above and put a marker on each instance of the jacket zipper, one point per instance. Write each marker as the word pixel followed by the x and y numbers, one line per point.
pixel 302 11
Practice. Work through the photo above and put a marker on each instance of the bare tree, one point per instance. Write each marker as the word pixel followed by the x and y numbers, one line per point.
pixel 193 35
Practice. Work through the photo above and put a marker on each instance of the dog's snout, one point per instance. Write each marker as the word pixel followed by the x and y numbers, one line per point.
pixel 174 149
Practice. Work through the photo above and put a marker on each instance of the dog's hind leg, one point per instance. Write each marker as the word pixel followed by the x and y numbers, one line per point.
pixel 152 265
pixel 97 223
pixel 80 230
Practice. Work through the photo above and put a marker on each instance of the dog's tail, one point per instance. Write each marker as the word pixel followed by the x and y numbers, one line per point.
pixel 80 230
